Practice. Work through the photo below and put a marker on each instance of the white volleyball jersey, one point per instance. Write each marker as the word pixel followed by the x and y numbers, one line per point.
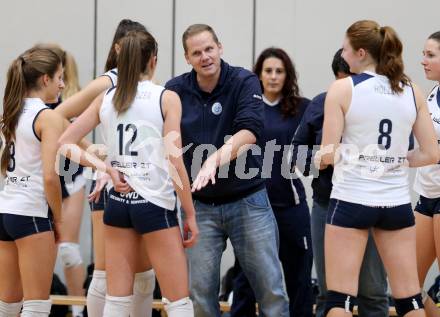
pixel 427 181
pixel 371 170
pixel 135 143
pixel 113 75
pixel 23 193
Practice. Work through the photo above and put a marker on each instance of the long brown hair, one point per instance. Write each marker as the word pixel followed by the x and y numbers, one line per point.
pixel 137 48
pixel 22 76
pixel 385 48
pixel 124 26
pixel 71 80
pixel 291 97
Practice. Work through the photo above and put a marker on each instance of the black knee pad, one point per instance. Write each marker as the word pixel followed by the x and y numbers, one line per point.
pixel 339 300
pixel 405 305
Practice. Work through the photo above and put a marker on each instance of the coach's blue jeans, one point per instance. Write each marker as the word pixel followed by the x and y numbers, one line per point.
pixel 250 225
pixel 372 294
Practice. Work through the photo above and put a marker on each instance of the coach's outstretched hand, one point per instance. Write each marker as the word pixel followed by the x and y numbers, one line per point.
pixel 206 174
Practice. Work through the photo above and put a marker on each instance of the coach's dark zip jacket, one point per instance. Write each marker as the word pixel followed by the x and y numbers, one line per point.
pixel 208 118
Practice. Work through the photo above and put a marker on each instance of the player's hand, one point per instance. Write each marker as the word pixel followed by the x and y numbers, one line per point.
pixel 190 232
pixel 57 228
pixel 317 160
pixel 119 183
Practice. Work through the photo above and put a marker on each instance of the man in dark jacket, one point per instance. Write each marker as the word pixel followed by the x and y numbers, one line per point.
pixel 222 116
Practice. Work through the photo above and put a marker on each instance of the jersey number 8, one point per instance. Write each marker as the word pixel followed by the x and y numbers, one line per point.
pixel 385 129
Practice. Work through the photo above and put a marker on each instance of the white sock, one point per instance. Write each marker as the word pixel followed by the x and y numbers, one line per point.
pixel 96 294
pixel 77 311
pixel 117 306
pixel 10 309
pixel 143 289
pixel 36 308
pixel 180 308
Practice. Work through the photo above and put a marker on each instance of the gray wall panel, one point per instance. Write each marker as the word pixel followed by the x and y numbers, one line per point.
pixel 321 26
pixel 25 23
pixel 231 20
pixel 155 15
pixel 275 25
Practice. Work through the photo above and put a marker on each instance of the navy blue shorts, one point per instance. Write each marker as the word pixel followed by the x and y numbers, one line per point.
pixel 428 206
pixel 133 211
pixel 351 215
pixel 103 199
pixel 14 227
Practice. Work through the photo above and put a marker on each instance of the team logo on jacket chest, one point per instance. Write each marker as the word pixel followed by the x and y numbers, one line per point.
pixel 217 108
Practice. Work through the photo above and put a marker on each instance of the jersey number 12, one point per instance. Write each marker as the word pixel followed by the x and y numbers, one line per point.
pixel 124 147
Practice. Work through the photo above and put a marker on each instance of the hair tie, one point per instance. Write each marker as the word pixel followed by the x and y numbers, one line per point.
pixel 22 60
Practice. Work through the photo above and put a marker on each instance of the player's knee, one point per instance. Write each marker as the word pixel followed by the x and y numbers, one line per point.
pixel 98 285
pixel 144 283
pixel 70 254
pixel 339 300
pixel 405 305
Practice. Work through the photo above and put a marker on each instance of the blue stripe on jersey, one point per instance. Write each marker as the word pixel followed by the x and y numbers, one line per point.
pixel 414 97
pixel 438 97
pixel 357 79
pixel 35 119
pixel 160 103
pixel 109 90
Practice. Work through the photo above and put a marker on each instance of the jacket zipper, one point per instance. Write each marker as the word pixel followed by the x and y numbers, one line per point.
pixel 205 138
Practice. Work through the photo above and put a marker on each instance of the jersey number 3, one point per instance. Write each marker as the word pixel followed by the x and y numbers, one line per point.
pixel 11 165
pixel 385 129
pixel 124 147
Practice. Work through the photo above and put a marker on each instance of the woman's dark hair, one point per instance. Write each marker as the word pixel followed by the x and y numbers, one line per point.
pixel 23 75
pixel 384 46
pixel 339 65
pixel 125 26
pixel 137 49
pixel 290 92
